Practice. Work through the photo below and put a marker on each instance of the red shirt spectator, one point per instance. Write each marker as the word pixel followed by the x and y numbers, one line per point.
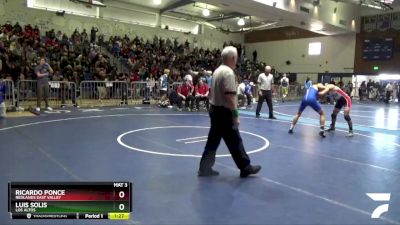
pixel 27 34
pixel 201 89
pixel 36 33
pixel 184 89
pixel 51 42
pixel 135 76
pixel 154 70
pixel 7 27
pixel 125 52
pixel 28 28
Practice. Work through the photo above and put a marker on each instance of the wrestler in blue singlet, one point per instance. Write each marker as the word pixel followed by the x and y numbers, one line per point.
pixel 310 99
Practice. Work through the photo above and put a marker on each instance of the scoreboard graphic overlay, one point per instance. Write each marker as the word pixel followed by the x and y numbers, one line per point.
pixel 70 200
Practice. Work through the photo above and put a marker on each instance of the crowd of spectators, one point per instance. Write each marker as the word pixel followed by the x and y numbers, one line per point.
pixel 147 59
pixel 379 91
pixel 73 58
pixel 77 57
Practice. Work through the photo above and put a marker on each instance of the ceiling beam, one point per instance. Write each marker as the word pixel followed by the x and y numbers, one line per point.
pixel 225 17
pixel 186 15
pixel 176 5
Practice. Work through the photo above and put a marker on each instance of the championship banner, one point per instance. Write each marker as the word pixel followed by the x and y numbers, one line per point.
pixel 369 23
pixel 396 21
pixel 383 23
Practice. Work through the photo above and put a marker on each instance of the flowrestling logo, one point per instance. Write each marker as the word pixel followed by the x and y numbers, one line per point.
pixel 379 197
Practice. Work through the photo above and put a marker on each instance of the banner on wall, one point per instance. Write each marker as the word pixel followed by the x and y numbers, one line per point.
pixel 369 23
pixel 383 22
pixel 396 21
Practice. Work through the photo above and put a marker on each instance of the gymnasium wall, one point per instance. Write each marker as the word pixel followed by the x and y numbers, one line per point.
pixel 337 55
pixel 17 10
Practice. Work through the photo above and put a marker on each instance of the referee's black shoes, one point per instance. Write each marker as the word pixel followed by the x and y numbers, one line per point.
pixel 249 170
pixel 207 173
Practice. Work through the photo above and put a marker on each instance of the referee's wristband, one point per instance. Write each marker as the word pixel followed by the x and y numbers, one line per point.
pixel 235 113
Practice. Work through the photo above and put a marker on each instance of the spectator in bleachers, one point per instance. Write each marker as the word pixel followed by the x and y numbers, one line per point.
pixel 52 34
pixel 43 71
pixel 28 31
pixel 57 76
pixel 7 27
pixel 101 67
pixel 68 73
pixel 17 29
pixel 201 94
pixel 36 33
pixel 116 49
pixel 93 35
pixel 59 36
pixel 30 55
pixel 2 36
pixel 84 35
pixel 185 93
pixel 135 76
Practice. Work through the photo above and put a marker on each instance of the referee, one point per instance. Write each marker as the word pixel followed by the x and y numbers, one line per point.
pixel 265 81
pixel 225 119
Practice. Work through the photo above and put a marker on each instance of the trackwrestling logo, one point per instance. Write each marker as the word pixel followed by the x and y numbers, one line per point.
pixel 379 197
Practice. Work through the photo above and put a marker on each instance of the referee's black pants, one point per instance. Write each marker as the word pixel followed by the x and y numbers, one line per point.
pixel 267 95
pixel 222 127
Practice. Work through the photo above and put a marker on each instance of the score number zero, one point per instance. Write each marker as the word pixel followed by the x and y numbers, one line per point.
pixel 121 194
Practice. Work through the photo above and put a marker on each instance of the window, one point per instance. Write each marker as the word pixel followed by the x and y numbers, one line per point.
pixel 314 48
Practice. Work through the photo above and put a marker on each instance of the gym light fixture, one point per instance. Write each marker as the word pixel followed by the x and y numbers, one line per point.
pixel 157 2
pixel 241 22
pixel 206 12
pixel 389 76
